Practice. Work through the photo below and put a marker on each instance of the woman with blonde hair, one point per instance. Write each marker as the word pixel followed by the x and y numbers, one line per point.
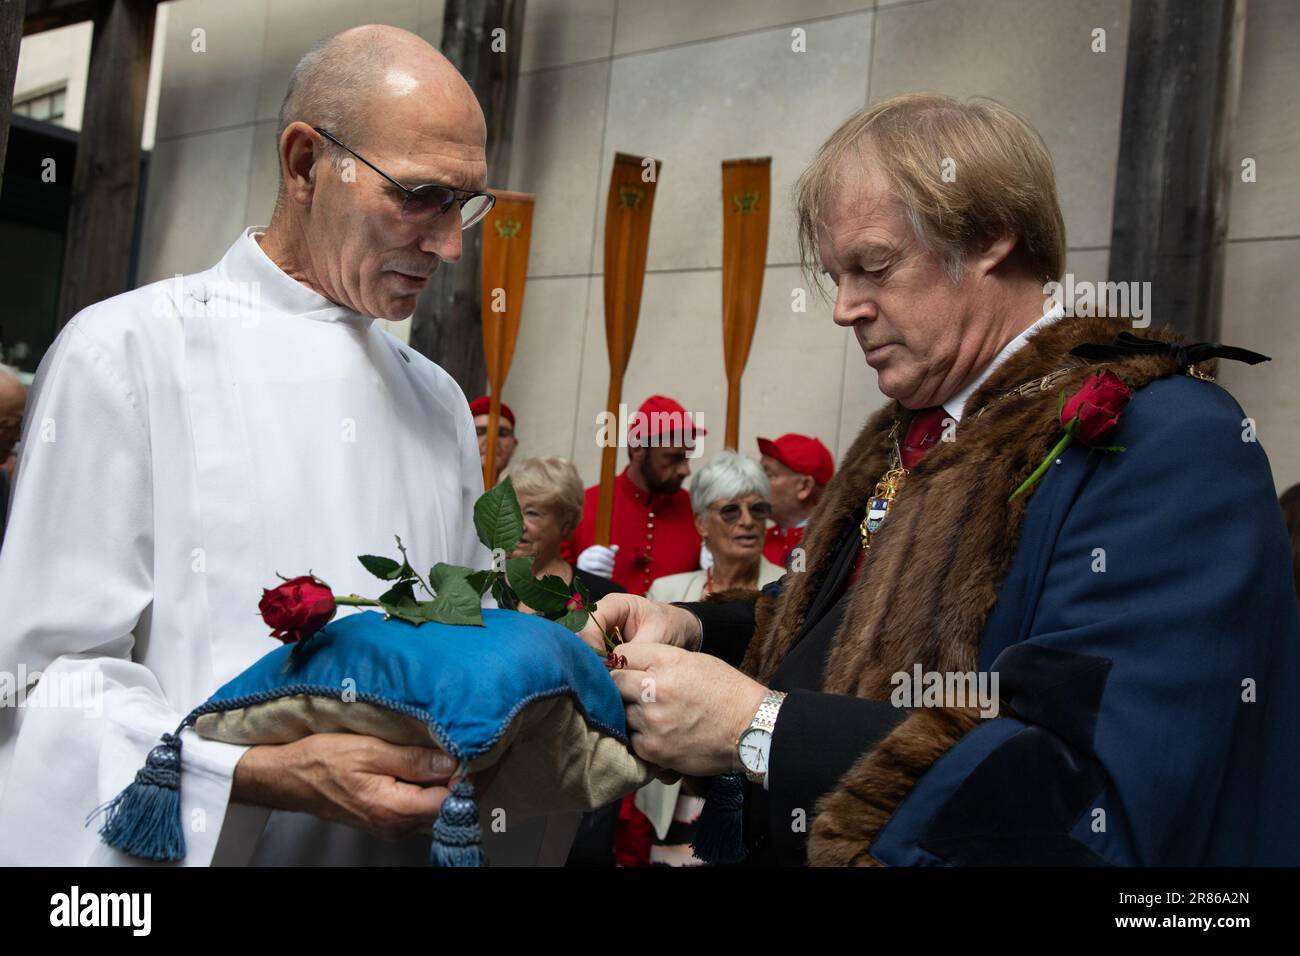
pixel 550 497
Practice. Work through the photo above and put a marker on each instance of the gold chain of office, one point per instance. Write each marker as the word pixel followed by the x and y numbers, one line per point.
pixel 891 482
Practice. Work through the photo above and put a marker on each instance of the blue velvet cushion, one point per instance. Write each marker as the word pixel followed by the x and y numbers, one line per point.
pixel 465 683
pixel 521 694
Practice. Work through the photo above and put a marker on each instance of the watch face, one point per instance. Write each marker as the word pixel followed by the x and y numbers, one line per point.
pixel 755 744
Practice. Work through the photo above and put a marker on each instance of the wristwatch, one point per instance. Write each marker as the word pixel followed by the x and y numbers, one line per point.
pixel 755 743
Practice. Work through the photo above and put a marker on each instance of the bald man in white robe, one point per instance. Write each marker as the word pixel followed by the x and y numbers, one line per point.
pixel 188 440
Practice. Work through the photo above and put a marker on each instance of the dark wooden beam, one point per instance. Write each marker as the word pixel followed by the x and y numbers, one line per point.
pixel 50 14
pixel 11 39
pixel 447 326
pixel 1171 188
pixel 106 181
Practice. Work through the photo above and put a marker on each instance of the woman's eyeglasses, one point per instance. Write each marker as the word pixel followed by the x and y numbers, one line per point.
pixel 429 200
pixel 730 513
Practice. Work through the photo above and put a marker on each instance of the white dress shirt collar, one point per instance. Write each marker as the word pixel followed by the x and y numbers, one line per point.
pixel 956 405
pixel 247 262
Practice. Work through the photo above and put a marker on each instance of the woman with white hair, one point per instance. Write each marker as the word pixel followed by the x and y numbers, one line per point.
pixel 729 496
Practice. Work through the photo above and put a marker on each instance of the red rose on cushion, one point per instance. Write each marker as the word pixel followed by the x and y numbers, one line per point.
pixel 298 608
pixel 1097 404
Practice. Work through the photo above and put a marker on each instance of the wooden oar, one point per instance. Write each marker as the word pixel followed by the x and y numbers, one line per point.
pixel 746 194
pixel 507 231
pixel 627 237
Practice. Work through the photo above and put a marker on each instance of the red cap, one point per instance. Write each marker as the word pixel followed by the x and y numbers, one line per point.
pixel 660 410
pixel 800 453
pixel 482 406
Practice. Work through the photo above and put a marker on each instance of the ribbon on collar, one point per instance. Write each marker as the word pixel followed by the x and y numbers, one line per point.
pixel 1126 343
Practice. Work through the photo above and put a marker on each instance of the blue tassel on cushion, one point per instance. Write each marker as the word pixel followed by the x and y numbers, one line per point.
pixel 144 820
pixel 457 837
pixel 720 836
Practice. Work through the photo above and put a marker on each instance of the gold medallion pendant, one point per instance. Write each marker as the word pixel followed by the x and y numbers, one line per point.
pixel 881 501
pixel 887 488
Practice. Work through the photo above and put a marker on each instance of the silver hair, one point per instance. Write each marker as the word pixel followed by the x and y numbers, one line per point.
pixel 728 474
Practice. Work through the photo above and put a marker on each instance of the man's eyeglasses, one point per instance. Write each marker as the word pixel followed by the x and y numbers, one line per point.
pixel 430 199
pixel 730 513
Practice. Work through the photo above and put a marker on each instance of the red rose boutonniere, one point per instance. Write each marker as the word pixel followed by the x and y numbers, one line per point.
pixel 1087 416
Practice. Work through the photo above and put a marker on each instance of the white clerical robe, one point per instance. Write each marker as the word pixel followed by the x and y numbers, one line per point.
pixel 184 442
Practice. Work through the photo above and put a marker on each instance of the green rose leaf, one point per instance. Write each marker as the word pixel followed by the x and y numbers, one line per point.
pixel 547 595
pixel 497 517
pixel 415 616
pixel 584 592
pixel 480 581
pixel 442 574
pixel 405 570
pixel 399 601
pixel 574 621
pixel 386 569
pixel 401 594
pixel 505 597
pixel 456 603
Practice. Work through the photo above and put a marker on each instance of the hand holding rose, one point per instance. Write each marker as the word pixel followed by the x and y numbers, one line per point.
pixel 642 620
pixel 685 710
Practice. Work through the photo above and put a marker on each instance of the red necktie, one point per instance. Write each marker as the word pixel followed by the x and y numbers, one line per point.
pixel 923 433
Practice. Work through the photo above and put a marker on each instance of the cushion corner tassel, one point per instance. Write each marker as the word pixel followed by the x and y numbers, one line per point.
pixel 144 820
pixel 457 836
pixel 720 840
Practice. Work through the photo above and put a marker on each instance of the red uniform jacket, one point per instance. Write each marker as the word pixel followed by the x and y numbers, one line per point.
pixel 655 534
pixel 779 542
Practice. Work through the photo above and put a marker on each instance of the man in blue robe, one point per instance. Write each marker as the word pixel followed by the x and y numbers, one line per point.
pixel 1106 665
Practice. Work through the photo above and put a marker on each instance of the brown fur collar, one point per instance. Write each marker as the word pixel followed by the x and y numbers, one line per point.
pixel 936 566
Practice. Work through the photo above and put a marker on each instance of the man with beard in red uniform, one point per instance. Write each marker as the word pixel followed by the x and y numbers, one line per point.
pixel 653 530
pixel 652 534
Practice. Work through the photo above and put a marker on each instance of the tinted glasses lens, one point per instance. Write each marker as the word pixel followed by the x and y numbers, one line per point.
pixel 475 208
pixel 428 200
pixel 759 511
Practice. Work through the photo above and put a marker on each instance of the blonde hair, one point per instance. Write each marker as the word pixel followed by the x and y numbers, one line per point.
pixel 554 484
pixel 967 173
